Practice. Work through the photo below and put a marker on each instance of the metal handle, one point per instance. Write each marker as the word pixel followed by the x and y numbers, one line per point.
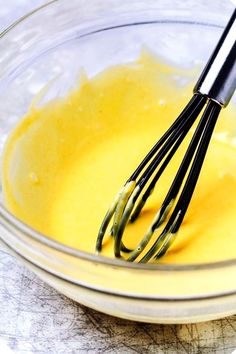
pixel 218 79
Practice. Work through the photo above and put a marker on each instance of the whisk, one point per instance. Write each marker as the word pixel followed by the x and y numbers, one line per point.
pixel 214 89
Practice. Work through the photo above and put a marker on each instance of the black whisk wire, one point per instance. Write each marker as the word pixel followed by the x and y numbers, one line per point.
pixel 172 137
pixel 200 141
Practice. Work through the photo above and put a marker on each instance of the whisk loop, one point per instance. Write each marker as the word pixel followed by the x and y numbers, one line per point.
pixel 214 89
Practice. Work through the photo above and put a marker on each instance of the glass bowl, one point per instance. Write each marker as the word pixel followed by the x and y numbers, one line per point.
pixel 52 44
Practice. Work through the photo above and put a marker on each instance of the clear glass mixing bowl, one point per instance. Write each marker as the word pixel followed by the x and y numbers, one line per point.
pixel 52 44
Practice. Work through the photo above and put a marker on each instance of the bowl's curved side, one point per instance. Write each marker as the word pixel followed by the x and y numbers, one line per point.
pixel 142 310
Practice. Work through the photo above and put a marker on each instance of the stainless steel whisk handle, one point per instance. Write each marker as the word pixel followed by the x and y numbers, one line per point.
pixel 218 79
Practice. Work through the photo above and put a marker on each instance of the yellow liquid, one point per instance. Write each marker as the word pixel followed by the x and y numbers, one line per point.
pixel 64 163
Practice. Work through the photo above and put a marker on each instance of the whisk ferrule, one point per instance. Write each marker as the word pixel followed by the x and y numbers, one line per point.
pixel 218 79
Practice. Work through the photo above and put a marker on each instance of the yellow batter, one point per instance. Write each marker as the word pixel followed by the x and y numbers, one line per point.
pixel 64 163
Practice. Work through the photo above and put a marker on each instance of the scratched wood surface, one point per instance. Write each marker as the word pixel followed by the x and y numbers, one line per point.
pixel 34 318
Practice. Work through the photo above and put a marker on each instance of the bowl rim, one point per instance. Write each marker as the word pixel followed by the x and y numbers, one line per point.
pixel 6 217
